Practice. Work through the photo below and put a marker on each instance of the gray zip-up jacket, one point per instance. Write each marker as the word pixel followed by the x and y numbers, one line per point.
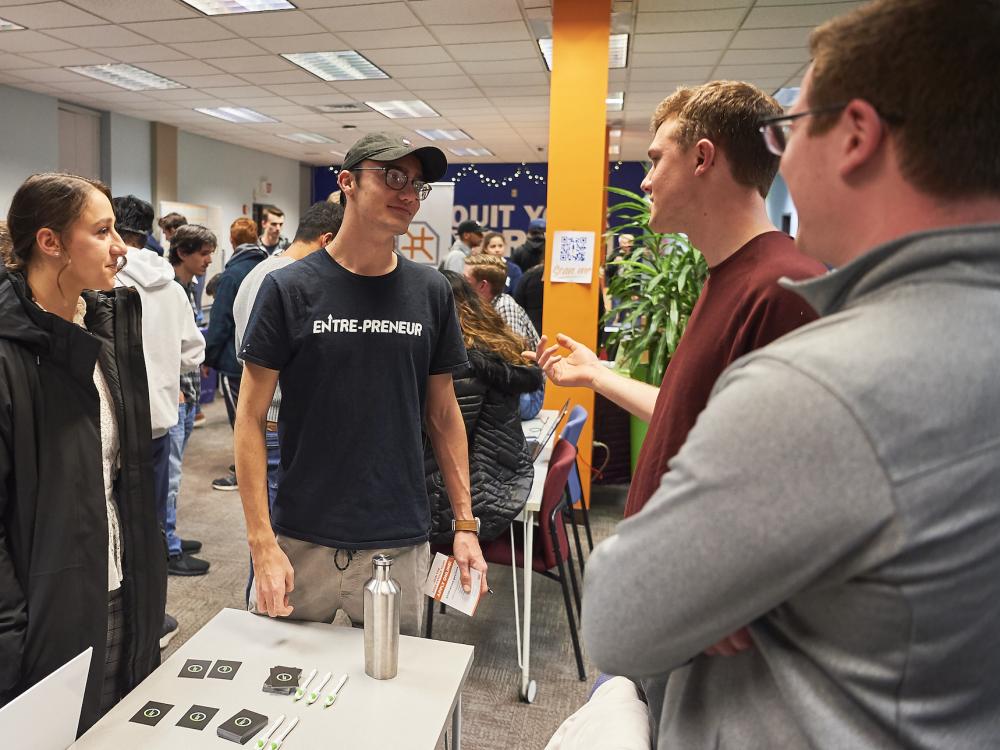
pixel 841 494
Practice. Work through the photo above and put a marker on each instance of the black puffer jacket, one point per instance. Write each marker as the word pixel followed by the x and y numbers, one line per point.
pixel 53 518
pixel 500 467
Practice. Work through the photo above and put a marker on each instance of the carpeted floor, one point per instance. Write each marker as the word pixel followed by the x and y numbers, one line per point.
pixel 493 715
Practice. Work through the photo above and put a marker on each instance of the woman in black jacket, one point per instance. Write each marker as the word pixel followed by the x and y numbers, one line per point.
pixel 500 467
pixel 82 560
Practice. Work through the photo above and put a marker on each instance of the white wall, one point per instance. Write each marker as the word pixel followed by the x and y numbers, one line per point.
pixel 131 165
pixel 29 139
pixel 213 173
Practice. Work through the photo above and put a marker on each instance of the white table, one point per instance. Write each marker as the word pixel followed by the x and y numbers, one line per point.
pixel 532 428
pixel 410 711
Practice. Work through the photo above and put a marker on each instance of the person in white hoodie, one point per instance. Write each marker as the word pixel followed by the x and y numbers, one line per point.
pixel 172 344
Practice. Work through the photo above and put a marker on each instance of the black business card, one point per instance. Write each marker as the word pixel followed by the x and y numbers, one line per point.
pixel 151 713
pixel 224 670
pixel 195 669
pixel 242 726
pixel 197 717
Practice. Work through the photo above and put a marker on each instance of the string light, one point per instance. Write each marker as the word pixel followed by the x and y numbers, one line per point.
pixel 471 170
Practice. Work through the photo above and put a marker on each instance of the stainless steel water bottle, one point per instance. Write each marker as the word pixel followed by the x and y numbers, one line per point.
pixel 381 621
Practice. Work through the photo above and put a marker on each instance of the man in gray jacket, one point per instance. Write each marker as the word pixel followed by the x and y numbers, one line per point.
pixel 839 493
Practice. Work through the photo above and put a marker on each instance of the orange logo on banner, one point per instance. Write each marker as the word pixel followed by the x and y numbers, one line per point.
pixel 420 239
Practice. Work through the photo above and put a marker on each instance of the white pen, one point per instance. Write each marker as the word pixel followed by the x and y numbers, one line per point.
pixel 332 696
pixel 314 694
pixel 264 736
pixel 300 691
pixel 276 743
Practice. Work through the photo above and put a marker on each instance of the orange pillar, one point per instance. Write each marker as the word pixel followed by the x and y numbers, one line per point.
pixel 578 168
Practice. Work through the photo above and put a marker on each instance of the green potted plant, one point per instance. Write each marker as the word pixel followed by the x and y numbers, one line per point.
pixel 656 286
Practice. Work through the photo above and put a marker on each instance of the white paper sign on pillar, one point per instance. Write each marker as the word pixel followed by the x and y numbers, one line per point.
pixel 572 257
pixel 428 237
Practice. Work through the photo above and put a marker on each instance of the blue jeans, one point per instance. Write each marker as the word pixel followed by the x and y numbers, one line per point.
pixel 179 435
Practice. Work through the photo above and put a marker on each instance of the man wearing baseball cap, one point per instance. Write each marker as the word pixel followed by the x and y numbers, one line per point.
pixel 470 236
pixel 364 342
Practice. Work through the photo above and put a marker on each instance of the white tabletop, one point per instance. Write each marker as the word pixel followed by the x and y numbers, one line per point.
pixel 410 711
pixel 536 428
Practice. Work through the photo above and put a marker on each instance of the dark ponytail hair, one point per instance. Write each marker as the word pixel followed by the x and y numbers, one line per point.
pixel 52 200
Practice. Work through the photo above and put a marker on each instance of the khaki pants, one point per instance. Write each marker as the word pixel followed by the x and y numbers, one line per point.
pixel 321 589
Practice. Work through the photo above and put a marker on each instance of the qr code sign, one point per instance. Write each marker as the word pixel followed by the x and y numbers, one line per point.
pixel 572 249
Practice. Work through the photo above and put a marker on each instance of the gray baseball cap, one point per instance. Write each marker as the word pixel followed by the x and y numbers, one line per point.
pixel 386 147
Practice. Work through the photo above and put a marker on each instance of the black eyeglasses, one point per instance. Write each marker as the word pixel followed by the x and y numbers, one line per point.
pixel 397 180
pixel 777 129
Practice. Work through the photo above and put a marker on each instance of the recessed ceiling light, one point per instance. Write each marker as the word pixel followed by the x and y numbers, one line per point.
pixel 617 50
pixel 614 148
pixel 615 101
pixel 471 151
pixel 398 108
pixel 615 133
pixel 444 135
pixel 341 108
pixel 126 77
pixel 8 26
pixel 235 114
pixel 227 7
pixel 306 137
pixel 346 65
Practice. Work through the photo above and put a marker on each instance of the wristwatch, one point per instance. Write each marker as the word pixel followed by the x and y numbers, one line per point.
pixel 472 525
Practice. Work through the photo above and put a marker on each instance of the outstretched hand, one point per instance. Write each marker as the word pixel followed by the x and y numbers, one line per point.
pixel 577 369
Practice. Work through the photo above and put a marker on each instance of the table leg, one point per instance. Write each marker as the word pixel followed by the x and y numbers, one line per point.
pixel 456 726
pixel 529 536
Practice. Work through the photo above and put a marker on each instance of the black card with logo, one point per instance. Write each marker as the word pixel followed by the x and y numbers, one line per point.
pixel 195 669
pixel 151 713
pixel 197 717
pixel 224 670
pixel 283 680
pixel 242 726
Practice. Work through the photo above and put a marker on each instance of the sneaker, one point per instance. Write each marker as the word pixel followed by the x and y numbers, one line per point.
pixel 186 565
pixel 190 545
pixel 168 631
pixel 199 419
pixel 226 484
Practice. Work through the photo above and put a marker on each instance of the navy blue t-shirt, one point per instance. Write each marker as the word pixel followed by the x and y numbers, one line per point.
pixel 354 354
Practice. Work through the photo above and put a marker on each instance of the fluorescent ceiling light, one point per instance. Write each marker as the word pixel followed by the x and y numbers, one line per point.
pixel 345 107
pixel 126 77
pixel 8 26
pixel 444 135
pixel 617 50
pixel 235 114
pixel 615 101
pixel 306 137
pixel 346 65
pixel 614 149
pixel 615 133
pixel 471 151
pixel 228 7
pixel 399 108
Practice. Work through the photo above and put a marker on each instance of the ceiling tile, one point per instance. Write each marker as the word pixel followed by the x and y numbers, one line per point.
pixel 143 53
pixel 13 62
pixel 194 30
pixel 225 92
pixel 199 82
pixel 50 16
pixel 275 23
pixel 760 70
pixel 302 43
pixel 48 75
pixel 423 71
pixel 678 73
pixel 658 59
pixel 283 109
pixel 358 89
pixel 664 85
pixel 504 66
pixel 297 89
pixel 254 64
pixel 126 11
pixel 440 82
pixel 366 17
pixel 405 56
pixel 494 91
pixel 70 57
pixel 795 15
pixel 456 93
pixel 465 11
pixel 391 38
pixel 99 36
pixel 284 76
pixel 507 31
pixel 503 79
pixel 310 4
pixel 694 41
pixel 181 68
pixel 86 86
pixel 696 20
pixel 29 41
pixel 219 48
pixel 755 56
pixel 495 51
pixel 258 101
pixel 767 38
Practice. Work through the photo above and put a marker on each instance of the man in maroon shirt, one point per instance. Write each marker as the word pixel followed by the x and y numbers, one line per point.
pixel 710 175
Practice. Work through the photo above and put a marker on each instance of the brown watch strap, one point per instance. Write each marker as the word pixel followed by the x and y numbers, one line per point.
pixel 472 526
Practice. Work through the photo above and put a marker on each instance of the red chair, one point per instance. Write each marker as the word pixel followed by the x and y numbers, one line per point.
pixel 551 550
